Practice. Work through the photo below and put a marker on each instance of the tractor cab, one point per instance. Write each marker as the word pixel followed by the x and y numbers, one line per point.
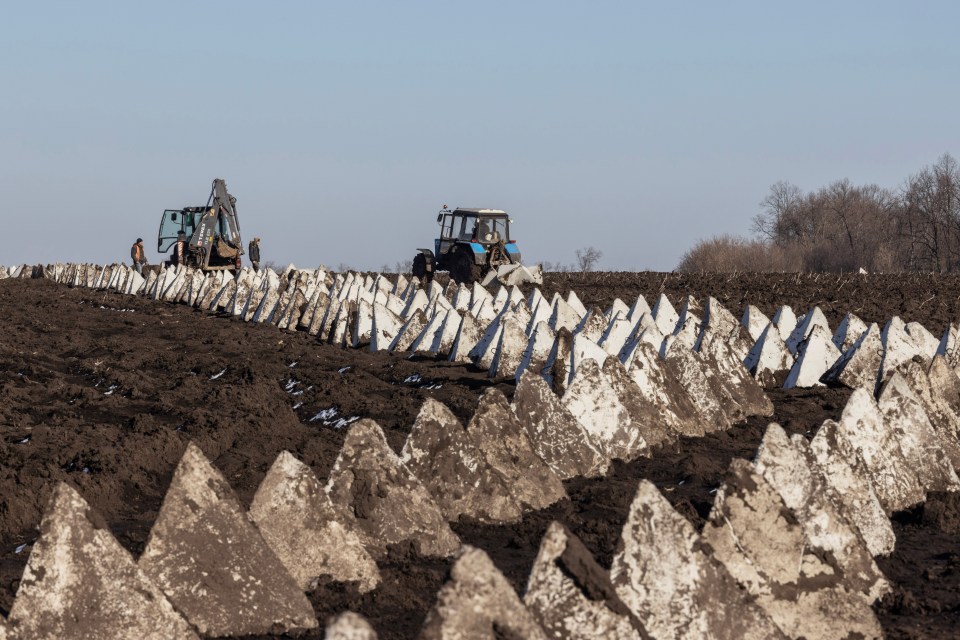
pixel 472 226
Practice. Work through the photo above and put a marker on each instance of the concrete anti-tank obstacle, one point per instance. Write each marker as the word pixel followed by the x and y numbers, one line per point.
pixel 721 355
pixel 688 369
pixel 349 626
pixel 503 440
pixel 510 348
pixel 391 505
pixel 785 320
pixel 848 332
pixel 477 603
pixel 845 472
pixel 592 325
pixel 308 534
pixel 925 341
pixel 790 468
pixel 948 347
pixel 893 478
pixel 557 437
pixel 645 415
pixel 805 326
pixel 816 353
pixel 719 322
pixel 671 585
pixel 945 422
pixel 665 315
pixel 769 357
pixel 444 338
pixel 898 348
pixel 592 400
pixel 583 348
pixel 945 385
pixel 207 556
pixel 80 583
pixel 921 447
pixel 468 334
pixel 754 321
pixel 384 327
pixel 571 596
pixel 759 541
pixel 859 366
pixel 444 456
pixel 537 351
pixel 656 381
pixel 616 334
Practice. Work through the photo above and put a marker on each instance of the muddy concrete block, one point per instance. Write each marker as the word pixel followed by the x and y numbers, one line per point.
pixel 676 591
pixel 918 439
pixel 754 321
pixel 815 355
pixel 571 596
pixel 893 478
pixel 943 419
pixel 498 433
pixel 478 603
pixel 349 626
pixel 390 504
pixel 805 326
pixel 760 542
pixel 510 349
pixel 645 414
pixel 846 475
pixel 790 468
pixel 80 583
pixel 210 560
pixel 616 334
pixel 556 370
pixel 656 382
pixel 769 359
pixel 926 343
pixel 721 354
pixel 409 332
pixel 308 534
pixel 537 351
pixel 945 384
pixel 859 366
pixel 445 458
pixel 384 327
pixel 593 401
pixel 688 369
pixel 848 332
pixel 557 437
pixel 898 348
pixel 665 315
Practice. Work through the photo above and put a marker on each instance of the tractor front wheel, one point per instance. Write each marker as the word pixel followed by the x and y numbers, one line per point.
pixel 463 269
pixel 420 268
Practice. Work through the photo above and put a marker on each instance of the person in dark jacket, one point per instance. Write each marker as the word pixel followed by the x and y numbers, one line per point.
pixel 138 256
pixel 253 251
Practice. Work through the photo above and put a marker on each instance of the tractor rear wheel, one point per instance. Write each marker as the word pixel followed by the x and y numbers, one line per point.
pixel 463 269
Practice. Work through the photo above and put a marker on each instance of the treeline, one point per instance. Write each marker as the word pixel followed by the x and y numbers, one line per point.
pixel 846 227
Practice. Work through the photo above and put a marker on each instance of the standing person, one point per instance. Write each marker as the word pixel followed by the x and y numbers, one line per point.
pixel 253 250
pixel 179 255
pixel 138 256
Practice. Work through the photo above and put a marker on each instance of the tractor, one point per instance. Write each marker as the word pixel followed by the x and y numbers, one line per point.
pixel 212 232
pixel 472 242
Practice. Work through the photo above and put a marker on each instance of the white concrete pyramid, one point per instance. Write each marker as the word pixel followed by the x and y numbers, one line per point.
pixel 754 321
pixel 204 544
pixel 848 478
pixel 571 596
pixel 80 583
pixel 662 574
pixel 815 355
pixel 478 603
pixel 665 315
pixel 848 332
pixel 859 366
pixel 307 533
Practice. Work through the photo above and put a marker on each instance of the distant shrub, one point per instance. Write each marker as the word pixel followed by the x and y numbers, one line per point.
pixel 727 253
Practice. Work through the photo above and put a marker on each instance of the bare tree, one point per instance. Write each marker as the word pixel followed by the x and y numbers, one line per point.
pixel 587 258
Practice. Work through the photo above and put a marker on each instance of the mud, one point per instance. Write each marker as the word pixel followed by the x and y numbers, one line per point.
pixel 105 391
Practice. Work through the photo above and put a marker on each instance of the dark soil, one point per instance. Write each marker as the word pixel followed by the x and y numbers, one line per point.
pixel 104 391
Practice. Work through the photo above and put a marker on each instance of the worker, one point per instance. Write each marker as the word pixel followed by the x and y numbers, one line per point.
pixel 138 256
pixel 179 255
pixel 253 250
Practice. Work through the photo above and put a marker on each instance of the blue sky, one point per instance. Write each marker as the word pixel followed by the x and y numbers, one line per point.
pixel 341 128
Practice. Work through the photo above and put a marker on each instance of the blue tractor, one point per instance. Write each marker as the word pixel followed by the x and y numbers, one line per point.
pixel 472 243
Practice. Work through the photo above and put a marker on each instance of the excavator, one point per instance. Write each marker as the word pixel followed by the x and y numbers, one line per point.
pixel 212 232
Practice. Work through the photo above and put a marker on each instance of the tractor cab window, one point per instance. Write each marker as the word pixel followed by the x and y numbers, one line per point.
pixel 492 230
pixel 466 228
pixel 446 225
